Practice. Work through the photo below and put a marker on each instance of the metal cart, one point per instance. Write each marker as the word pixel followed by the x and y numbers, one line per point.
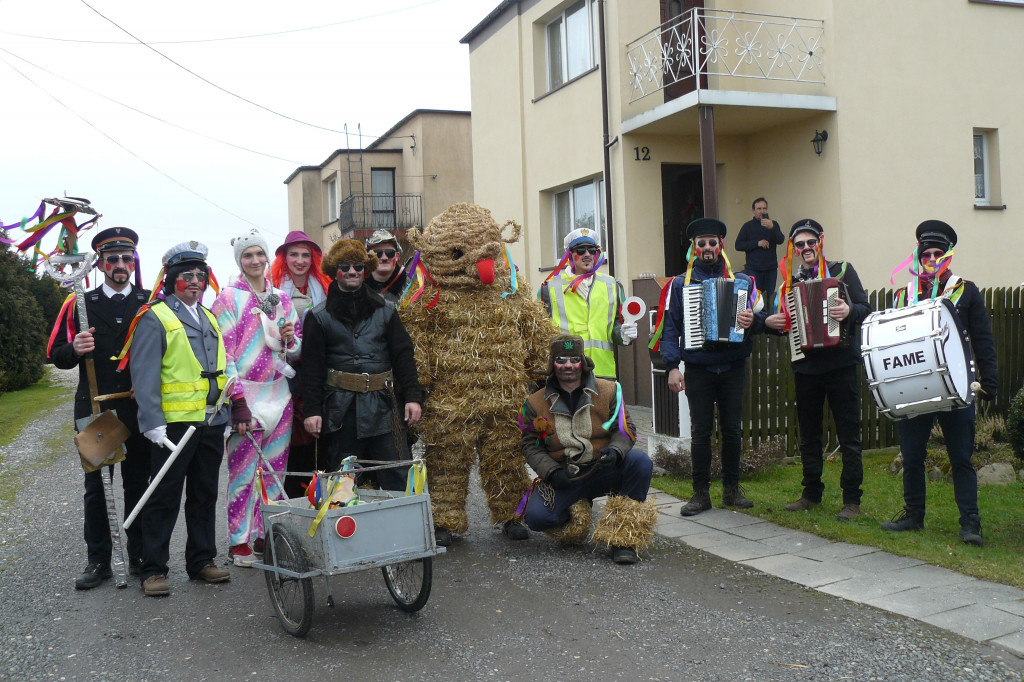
pixel 390 531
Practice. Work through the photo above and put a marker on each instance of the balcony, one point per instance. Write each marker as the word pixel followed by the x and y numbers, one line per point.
pixel 360 214
pixel 716 46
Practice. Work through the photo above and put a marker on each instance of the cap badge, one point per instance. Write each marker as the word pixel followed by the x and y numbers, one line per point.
pixel 193 244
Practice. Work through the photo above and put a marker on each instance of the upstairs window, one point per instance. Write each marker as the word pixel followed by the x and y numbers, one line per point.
pixel 582 205
pixel 571 42
pixel 332 199
pixel 986 169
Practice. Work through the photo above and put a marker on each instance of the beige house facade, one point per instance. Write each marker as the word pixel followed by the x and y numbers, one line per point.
pixel 708 105
pixel 399 181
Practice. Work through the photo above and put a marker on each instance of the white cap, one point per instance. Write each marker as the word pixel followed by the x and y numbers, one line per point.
pixel 581 236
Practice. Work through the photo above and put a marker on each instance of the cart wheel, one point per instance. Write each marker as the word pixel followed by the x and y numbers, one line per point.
pixel 292 597
pixel 409 582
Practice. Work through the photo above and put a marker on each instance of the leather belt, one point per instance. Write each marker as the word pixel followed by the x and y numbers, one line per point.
pixel 360 383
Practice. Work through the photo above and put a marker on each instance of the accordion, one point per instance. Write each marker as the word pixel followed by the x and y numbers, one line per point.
pixel 711 310
pixel 811 326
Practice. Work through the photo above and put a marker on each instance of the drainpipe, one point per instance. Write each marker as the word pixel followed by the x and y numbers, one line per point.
pixel 610 246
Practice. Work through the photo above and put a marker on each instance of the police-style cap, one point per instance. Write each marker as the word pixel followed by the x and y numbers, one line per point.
pixel 935 234
pixel 185 252
pixel 579 237
pixel 806 225
pixel 115 238
pixel 703 227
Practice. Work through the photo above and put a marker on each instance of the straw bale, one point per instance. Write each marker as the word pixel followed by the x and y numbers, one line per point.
pixel 626 523
pixel 576 530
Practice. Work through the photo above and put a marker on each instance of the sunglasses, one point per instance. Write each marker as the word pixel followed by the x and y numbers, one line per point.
pixel 933 253
pixel 584 250
pixel 710 243
pixel 345 267
pixel 568 359
pixel 385 253
pixel 810 243
pixel 118 258
pixel 197 276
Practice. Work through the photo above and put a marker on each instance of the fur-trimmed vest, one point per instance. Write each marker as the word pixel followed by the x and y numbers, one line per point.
pixel 573 438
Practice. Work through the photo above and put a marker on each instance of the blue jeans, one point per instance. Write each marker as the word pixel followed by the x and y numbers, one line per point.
pixel 631 478
pixel 705 389
pixel 958 430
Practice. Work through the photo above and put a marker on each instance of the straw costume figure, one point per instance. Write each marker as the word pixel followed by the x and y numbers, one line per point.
pixel 480 338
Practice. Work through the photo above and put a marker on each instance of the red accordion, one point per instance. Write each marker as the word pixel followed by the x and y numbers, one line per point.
pixel 811 327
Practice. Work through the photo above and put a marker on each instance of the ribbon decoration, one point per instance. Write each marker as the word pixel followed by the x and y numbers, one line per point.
pixel 619 415
pixel 578 280
pixel 259 485
pixel 21 223
pixel 422 277
pixel 332 484
pixel 67 312
pixel 558 268
pixel 416 479
pixel 521 509
pixel 511 272
pixel 913 264
pixel 659 320
pixel 122 357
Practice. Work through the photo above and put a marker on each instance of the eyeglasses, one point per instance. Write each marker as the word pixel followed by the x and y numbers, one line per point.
pixel 933 253
pixel 710 243
pixel 118 258
pixel 568 359
pixel 385 253
pixel 345 267
pixel 197 276
pixel 810 244
pixel 584 250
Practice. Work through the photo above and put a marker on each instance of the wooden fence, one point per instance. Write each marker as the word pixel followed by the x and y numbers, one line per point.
pixel 769 407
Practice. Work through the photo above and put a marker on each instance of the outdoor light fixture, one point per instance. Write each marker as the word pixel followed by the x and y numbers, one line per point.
pixel 819 141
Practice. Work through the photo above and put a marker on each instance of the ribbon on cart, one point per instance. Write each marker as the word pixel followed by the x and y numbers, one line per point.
pixel 416 479
pixel 324 504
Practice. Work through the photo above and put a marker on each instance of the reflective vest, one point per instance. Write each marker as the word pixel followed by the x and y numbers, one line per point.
pixel 183 391
pixel 593 320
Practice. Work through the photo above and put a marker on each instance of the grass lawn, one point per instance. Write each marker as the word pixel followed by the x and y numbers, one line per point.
pixel 18 408
pixel 1002 516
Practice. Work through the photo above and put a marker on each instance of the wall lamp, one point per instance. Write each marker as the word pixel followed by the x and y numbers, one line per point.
pixel 819 141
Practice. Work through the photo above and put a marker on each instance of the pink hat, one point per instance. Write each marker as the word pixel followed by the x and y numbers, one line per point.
pixel 297 237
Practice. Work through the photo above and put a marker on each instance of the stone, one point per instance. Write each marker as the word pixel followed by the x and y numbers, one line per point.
pixel 896 465
pixel 996 474
pixel 935 474
pixel 657 472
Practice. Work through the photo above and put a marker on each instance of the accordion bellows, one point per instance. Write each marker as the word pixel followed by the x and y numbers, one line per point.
pixel 711 311
pixel 811 327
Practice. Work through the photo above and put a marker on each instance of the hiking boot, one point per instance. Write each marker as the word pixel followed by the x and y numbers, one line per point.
pixel 848 512
pixel 241 555
pixel 211 574
pixel 970 530
pixel 515 530
pixel 803 504
pixel 92 576
pixel 442 536
pixel 701 501
pixel 732 496
pixel 624 555
pixel 156 586
pixel 908 519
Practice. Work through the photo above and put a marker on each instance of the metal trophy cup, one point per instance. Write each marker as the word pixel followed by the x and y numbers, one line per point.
pixel 101 436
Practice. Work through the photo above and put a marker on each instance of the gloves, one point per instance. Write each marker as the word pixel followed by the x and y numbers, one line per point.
pixel 610 457
pixel 240 413
pixel 157 434
pixel 559 479
pixel 628 332
pixel 989 393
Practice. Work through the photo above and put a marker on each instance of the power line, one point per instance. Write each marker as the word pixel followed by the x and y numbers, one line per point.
pixel 101 132
pixel 214 40
pixel 139 111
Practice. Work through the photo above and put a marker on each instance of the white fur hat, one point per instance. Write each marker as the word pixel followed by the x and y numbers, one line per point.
pixel 249 239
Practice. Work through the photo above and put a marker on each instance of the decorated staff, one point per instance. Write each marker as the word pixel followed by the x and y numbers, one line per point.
pixel 823 301
pixel 90 330
pixel 934 279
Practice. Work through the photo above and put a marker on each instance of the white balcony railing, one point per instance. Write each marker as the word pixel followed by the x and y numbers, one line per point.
pixel 707 42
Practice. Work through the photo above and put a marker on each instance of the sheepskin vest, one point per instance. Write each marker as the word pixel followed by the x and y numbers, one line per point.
pixel 575 437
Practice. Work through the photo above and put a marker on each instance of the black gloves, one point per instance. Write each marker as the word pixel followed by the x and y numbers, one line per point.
pixel 559 479
pixel 609 457
pixel 240 413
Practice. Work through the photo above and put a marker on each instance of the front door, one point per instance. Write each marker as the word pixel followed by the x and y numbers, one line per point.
pixel 682 200
pixel 682 35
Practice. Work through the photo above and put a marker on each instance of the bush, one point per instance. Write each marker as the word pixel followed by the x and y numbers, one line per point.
pixel 24 326
pixel 1015 424
pixel 679 464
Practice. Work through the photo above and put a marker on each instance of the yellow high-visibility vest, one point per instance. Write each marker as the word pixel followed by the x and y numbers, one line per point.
pixel 594 322
pixel 183 391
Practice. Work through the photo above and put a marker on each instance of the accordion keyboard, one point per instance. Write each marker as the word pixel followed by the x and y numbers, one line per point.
pixel 796 336
pixel 693 334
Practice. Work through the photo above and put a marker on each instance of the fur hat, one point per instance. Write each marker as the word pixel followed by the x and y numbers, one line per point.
pixel 347 251
pixel 568 344
pixel 248 240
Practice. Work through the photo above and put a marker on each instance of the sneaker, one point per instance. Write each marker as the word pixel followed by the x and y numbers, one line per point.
pixel 92 576
pixel 803 504
pixel 907 519
pixel 211 574
pixel 849 511
pixel 257 548
pixel 624 555
pixel 732 496
pixel 241 555
pixel 515 530
pixel 970 531
pixel 156 586
pixel 701 501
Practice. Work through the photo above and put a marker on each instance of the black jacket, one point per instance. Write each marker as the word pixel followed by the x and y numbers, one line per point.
pixel 750 234
pixel 392 289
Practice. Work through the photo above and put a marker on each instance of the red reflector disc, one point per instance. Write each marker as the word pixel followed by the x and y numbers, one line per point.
pixel 346 527
pixel 633 308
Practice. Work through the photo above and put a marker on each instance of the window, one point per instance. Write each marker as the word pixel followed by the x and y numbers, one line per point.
pixel 571 42
pixel 986 168
pixel 332 199
pixel 382 193
pixel 582 205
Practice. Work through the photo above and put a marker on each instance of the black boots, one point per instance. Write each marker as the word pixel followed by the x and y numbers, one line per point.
pixel 970 530
pixel 732 496
pixel 908 519
pixel 701 501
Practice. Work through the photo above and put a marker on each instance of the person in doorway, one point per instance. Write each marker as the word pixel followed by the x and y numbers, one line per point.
pixel 758 238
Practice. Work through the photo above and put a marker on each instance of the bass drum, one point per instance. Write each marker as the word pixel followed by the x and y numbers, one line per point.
pixel 918 359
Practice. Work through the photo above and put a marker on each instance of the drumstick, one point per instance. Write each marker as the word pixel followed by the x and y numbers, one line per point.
pixel 976 387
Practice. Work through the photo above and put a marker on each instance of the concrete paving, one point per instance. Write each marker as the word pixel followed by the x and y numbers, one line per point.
pixel 977 609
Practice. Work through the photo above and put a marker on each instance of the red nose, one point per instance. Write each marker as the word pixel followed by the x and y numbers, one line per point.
pixel 485 269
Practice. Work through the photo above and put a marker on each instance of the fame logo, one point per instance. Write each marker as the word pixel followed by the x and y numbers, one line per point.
pixel 905 360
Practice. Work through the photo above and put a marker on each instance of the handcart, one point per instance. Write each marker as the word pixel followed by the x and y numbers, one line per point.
pixel 390 530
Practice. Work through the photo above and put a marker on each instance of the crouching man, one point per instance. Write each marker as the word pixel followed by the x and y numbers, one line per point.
pixel 579 439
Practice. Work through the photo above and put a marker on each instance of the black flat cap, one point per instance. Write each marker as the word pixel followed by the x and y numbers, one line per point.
pixel 115 238
pixel 703 227
pixel 935 234
pixel 806 225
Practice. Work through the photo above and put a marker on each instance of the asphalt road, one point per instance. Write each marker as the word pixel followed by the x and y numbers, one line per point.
pixel 498 610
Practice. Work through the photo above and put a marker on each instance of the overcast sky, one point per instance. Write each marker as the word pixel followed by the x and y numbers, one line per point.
pixel 367 63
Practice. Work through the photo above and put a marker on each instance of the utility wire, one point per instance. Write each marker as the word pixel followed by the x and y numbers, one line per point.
pixel 155 118
pixel 101 132
pixel 215 40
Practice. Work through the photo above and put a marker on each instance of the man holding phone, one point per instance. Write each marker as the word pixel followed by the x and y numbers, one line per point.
pixel 758 238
